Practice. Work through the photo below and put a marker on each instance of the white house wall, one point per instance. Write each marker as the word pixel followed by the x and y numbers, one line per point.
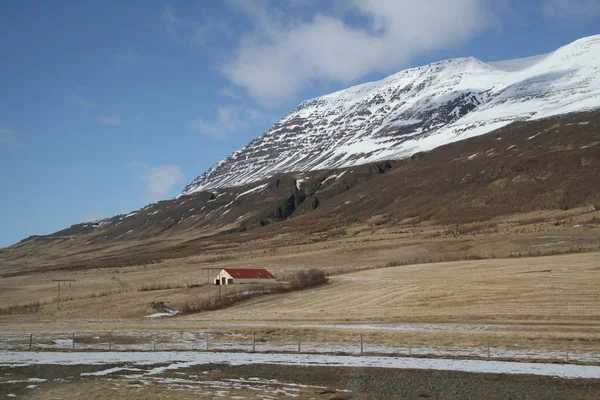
pixel 222 274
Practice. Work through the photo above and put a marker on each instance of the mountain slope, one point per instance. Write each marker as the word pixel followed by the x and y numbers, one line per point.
pixel 415 110
pixel 550 167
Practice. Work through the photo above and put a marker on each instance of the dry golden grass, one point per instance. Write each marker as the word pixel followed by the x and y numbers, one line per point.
pixel 531 303
pixel 113 293
pixel 557 288
pixel 546 301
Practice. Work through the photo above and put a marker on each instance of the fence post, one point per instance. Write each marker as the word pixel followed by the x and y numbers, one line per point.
pixel 567 351
pixel 253 341
pixel 298 343
pixel 153 343
pixel 109 341
pixel 30 340
pixel 73 341
pixel 207 341
pixel 361 343
pixel 488 346
pixel 409 345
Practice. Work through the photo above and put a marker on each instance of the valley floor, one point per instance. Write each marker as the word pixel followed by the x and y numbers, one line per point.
pixel 394 289
pixel 545 308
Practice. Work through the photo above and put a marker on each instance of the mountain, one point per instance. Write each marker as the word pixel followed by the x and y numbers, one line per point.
pixel 405 156
pixel 415 110
pixel 520 183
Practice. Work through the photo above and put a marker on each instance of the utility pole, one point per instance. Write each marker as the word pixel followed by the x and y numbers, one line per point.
pixel 58 281
pixel 361 343
pixel 208 271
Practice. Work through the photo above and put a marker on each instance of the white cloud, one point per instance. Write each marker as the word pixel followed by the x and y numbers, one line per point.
pixel 82 102
pixel 158 181
pixel 113 120
pixel 571 8
pixel 281 55
pixel 227 120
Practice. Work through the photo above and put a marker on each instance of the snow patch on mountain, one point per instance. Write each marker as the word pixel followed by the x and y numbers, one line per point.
pixel 415 110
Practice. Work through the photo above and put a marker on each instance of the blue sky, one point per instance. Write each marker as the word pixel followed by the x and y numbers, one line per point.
pixel 108 106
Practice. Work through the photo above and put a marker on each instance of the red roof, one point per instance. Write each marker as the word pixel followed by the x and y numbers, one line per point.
pixel 242 273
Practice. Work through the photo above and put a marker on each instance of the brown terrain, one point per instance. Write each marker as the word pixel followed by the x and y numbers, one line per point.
pixel 495 238
pixel 493 184
pixel 268 382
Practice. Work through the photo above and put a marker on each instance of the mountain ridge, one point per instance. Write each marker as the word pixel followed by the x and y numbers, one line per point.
pixel 548 167
pixel 415 110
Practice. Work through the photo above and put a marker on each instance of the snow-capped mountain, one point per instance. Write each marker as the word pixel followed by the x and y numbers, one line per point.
pixel 415 110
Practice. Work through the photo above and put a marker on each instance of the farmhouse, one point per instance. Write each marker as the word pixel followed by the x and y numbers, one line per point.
pixel 229 276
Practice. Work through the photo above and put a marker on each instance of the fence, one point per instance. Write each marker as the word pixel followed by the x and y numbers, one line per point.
pixel 413 344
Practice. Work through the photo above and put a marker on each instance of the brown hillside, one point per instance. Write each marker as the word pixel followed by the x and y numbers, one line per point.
pixel 526 167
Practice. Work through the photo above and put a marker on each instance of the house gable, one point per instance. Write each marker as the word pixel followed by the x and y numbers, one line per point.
pixel 245 273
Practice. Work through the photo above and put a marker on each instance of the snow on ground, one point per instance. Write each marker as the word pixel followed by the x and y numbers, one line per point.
pixel 334 176
pixel 518 63
pixel 256 189
pixel 159 315
pixel 63 342
pixel 110 371
pixel 196 385
pixel 240 341
pixel 389 119
pixel 24 380
pixel 299 183
pixel 168 313
pixel 176 360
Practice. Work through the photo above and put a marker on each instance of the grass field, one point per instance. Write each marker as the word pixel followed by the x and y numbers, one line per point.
pixel 557 288
pixel 495 293
pixel 537 304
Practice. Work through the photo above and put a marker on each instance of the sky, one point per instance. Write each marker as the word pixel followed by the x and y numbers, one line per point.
pixel 107 106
